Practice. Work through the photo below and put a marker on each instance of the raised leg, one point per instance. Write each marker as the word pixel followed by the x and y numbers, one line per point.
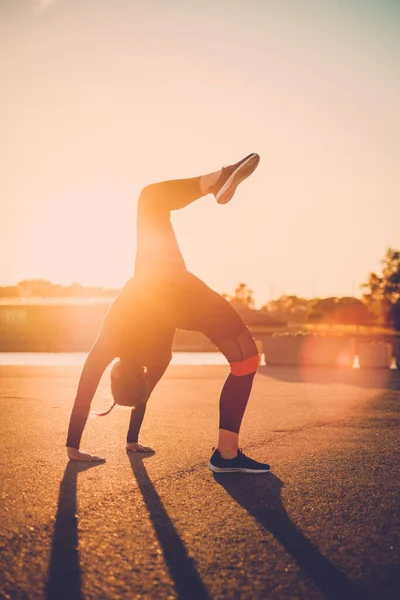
pixel 159 258
pixel 158 252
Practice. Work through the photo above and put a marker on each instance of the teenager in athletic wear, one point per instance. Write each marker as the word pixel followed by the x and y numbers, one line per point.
pixel 140 325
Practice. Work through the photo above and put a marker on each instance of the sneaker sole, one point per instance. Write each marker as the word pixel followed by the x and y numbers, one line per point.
pixel 239 174
pixel 235 470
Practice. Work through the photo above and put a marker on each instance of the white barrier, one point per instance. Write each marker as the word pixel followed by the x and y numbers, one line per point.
pixel 309 350
pixel 378 355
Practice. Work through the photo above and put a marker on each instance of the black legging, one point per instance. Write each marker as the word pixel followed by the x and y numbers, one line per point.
pixel 179 300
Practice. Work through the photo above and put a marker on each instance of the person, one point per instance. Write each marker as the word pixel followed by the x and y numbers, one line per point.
pixel 163 295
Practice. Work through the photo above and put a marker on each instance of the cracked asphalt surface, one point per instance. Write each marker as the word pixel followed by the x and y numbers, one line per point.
pixel 325 523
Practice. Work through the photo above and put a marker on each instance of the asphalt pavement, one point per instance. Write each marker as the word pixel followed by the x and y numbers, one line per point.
pixel 325 523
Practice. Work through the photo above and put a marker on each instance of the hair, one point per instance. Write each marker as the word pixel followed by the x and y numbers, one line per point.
pixel 128 385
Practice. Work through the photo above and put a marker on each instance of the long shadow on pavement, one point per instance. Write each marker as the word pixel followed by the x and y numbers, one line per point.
pixel 261 498
pixel 64 575
pixel 187 581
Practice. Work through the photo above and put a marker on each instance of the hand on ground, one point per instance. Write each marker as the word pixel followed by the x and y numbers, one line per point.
pixel 75 454
pixel 136 447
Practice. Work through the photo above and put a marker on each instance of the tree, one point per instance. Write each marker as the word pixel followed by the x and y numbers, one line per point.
pixel 323 311
pixel 396 315
pixel 243 297
pixel 290 309
pixel 351 311
pixel 340 311
pixel 383 291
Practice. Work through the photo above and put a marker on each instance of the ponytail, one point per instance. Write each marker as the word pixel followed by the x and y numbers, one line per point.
pixel 103 414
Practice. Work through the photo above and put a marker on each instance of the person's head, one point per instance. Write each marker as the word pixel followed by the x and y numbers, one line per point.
pixel 128 384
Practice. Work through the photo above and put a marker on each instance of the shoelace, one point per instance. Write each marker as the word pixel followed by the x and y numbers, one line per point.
pixel 240 454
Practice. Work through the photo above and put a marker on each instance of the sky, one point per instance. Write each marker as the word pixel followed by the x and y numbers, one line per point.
pixel 101 97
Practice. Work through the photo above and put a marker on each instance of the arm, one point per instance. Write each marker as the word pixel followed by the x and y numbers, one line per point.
pixel 135 423
pixel 95 365
pixel 154 374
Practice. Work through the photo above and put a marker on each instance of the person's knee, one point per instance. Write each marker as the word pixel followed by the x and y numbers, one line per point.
pixel 148 195
pixel 247 344
pixel 250 358
pixel 247 366
pixel 242 353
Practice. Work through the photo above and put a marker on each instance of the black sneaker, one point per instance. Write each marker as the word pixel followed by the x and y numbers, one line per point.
pixel 231 176
pixel 241 463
